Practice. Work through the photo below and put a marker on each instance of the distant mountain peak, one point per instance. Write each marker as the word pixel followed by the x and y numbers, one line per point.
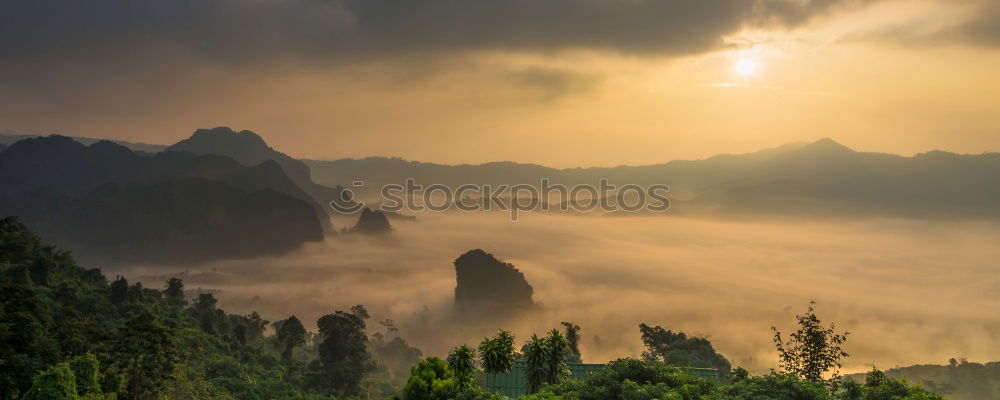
pixel 245 147
pixel 825 147
pixel 829 144
pixel 225 132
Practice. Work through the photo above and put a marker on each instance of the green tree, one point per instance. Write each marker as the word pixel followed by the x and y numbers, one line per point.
pixel 56 383
pixel 290 335
pixel 496 354
pixel 254 326
pixel 343 353
pixel 26 347
pixel 536 367
pixel 429 380
pixel 204 311
pixel 812 350
pixel 556 347
pixel 145 351
pixel 119 290
pixel 86 370
pixel 174 292
pixel 545 360
pixel 677 348
pixel 462 362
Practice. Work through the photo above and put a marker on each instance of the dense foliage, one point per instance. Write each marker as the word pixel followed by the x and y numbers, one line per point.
pixel 679 349
pixel 69 333
pixel 649 380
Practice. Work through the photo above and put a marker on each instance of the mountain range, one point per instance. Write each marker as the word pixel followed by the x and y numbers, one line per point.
pixel 823 178
pixel 110 204
pixel 7 139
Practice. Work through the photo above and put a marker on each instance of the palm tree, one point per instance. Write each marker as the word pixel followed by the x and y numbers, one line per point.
pixel 496 355
pixel 462 361
pixel 536 360
pixel 556 347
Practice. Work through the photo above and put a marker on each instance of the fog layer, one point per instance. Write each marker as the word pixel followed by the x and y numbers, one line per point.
pixel 909 292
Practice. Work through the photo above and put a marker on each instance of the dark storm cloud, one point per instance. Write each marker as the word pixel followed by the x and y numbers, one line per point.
pixel 248 30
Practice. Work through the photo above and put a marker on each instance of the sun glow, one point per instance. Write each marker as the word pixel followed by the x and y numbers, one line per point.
pixel 745 68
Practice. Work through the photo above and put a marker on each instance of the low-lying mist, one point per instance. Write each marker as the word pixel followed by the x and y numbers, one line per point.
pixel 908 291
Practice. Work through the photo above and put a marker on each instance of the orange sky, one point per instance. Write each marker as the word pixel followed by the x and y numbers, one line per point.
pixel 890 76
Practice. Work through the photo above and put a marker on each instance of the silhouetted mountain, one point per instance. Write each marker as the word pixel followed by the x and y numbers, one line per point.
pixel 372 223
pixel 249 149
pixel 110 205
pixel 144 148
pixel 2 147
pixel 245 147
pixel 488 286
pixel 820 178
pixel 825 178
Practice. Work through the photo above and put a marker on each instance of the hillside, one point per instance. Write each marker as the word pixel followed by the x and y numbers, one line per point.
pixel 249 149
pixel 960 380
pixel 110 205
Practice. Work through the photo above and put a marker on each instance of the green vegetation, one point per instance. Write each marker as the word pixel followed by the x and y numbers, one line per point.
pixel 959 380
pixel 677 348
pixel 462 362
pixel 812 350
pixel 69 333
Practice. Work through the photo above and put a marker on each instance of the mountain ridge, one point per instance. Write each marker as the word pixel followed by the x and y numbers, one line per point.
pixel 111 205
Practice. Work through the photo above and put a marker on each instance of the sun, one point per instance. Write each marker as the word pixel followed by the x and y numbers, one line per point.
pixel 745 68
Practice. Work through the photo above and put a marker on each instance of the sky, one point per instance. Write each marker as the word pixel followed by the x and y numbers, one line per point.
pixel 562 83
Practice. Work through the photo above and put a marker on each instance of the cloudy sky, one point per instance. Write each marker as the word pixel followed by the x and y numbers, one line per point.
pixel 557 82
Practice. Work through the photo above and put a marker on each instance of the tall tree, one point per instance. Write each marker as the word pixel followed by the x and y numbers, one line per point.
pixel 56 383
pixel 497 353
pixel 204 311
pixel 556 347
pixel 462 361
pixel 119 290
pixel 343 353
pixel 290 335
pixel 174 292
pixel 573 336
pixel 536 366
pixel 146 352
pixel 546 360
pixel 812 350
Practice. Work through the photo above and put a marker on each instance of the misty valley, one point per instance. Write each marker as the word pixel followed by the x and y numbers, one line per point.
pixel 219 267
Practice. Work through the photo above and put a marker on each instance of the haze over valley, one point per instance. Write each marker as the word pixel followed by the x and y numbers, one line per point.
pixel 500 200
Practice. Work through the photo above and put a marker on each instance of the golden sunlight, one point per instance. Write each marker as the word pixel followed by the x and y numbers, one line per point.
pixel 745 68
